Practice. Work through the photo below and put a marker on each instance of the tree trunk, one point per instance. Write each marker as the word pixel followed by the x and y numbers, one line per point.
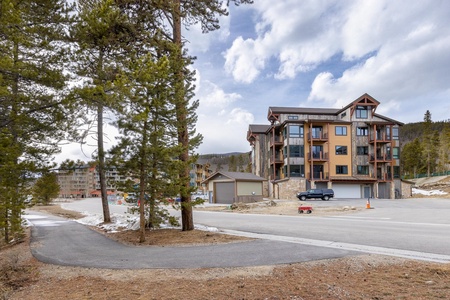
pixel 183 136
pixel 142 184
pixel 101 164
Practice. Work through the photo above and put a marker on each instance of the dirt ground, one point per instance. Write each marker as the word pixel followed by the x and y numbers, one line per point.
pixel 357 277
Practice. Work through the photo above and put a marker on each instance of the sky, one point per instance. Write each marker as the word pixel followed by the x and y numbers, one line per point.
pixel 315 53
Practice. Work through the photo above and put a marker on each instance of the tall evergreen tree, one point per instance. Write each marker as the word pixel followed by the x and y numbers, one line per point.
pixel 412 159
pixel 149 142
pixel 430 142
pixel 102 36
pixel 33 117
pixel 46 189
pixel 177 13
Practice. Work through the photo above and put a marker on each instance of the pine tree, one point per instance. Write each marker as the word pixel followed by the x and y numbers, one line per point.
pixel 45 189
pixel 178 13
pixel 149 142
pixel 33 115
pixel 102 37
pixel 232 167
pixel 444 149
pixel 427 143
pixel 412 159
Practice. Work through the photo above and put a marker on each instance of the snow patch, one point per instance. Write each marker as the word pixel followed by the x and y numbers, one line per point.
pixel 428 193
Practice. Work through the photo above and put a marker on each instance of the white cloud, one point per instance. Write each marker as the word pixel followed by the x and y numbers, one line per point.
pixel 222 124
pixel 213 97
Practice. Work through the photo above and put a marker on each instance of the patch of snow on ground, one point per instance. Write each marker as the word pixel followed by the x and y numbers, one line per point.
pixel 125 221
pixel 428 193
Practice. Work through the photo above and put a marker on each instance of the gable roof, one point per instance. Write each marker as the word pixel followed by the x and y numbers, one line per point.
pixel 235 176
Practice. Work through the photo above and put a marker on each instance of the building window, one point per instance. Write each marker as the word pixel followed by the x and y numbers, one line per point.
pixel 341 130
pixel 396 172
pixel 292 117
pixel 395 133
pixel 341 169
pixel 343 115
pixel 396 152
pixel 296 171
pixel 317 132
pixel 361 112
pixel 317 152
pixel 362 170
pixel 296 131
pixel 341 150
pixel 362 150
pixel 362 130
pixel 296 151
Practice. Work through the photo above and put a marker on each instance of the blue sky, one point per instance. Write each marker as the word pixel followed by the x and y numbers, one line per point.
pixel 318 53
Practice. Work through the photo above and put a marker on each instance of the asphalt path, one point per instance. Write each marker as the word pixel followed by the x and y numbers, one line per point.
pixel 60 241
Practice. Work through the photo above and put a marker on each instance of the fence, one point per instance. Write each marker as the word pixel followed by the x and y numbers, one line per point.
pixel 446 173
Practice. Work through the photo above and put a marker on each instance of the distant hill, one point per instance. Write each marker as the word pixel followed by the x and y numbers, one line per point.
pixel 233 161
pixel 411 131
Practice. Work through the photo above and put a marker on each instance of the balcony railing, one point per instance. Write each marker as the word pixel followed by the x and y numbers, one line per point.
pixel 318 176
pixel 317 137
pixel 276 141
pixel 381 158
pixel 380 137
pixel 317 156
pixel 382 176
pixel 278 159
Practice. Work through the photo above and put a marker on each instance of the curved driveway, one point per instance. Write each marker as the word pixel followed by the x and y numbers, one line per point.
pixel 60 241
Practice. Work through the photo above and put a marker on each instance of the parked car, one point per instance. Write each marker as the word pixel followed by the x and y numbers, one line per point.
pixel 200 196
pixel 324 194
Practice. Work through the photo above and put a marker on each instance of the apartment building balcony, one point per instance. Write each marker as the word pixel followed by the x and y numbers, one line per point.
pixel 276 141
pixel 383 158
pixel 382 138
pixel 383 177
pixel 277 159
pixel 317 156
pixel 318 137
pixel 318 176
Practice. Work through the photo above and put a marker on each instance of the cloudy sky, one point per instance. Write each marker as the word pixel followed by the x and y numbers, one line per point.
pixel 319 53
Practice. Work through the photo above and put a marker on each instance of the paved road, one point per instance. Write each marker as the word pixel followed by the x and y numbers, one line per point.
pixel 413 228
pixel 60 241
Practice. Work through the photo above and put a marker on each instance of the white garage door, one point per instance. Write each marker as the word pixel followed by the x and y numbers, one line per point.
pixel 342 190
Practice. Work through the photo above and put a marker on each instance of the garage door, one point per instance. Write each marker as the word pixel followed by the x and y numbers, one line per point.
pixel 224 192
pixel 346 190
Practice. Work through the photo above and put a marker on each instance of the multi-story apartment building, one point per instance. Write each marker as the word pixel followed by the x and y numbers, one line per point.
pixel 352 150
pixel 198 173
pixel 84 181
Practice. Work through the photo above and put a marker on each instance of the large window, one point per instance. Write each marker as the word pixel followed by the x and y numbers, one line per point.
pixel 362 150
pixel 361 112
pixel 396 172
pixel 341 150
pixel 296 131
pixel 341 130
pixel 296 151
pixel 362 170
pixel 395 133
pixel 396 152
pixel 317 151
pixel 317 132
pixel 362 131
pixel 296 171
pixel 341 169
